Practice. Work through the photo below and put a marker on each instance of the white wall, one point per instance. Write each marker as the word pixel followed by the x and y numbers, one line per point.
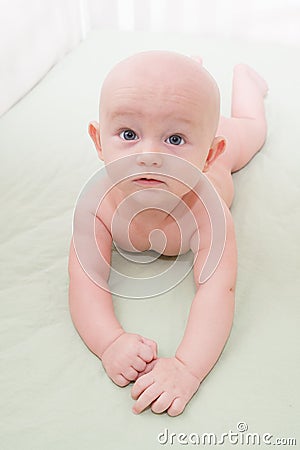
pixel 263 20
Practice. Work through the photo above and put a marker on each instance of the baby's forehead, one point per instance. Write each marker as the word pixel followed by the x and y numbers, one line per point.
pixel 159 69
pixel 167 79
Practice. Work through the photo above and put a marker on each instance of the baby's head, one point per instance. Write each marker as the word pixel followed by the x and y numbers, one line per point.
pixel 158 102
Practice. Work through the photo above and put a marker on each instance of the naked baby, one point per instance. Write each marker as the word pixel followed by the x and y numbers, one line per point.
pixel 156 108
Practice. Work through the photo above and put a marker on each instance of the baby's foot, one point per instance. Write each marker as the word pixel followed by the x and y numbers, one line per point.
pixel 198 59
pixel 243 70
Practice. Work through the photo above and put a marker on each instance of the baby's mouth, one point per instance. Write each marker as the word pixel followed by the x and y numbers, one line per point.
pixel 148 181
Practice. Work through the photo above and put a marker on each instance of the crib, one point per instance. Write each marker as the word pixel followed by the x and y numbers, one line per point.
pixel 54 392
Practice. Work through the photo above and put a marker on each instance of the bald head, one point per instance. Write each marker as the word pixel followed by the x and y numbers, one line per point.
pixel 160 74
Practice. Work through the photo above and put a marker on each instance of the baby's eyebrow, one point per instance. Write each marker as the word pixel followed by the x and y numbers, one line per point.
pixel 121 114
pixel 124 113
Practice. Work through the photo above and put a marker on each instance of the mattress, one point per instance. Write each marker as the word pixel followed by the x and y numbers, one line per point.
pixel 54 392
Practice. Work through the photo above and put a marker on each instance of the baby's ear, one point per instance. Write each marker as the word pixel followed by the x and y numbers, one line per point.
pixel 217 148
pixel 94 132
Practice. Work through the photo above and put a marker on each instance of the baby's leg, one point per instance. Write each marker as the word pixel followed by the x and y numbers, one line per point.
pixel 245 131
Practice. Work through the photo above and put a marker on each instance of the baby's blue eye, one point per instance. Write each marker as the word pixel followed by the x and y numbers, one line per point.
pixel 175 139
pixel 128 135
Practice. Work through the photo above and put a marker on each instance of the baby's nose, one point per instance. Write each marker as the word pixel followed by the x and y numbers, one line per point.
pixel 149 159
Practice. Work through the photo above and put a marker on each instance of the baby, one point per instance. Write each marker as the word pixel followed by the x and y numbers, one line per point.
pixel 155 108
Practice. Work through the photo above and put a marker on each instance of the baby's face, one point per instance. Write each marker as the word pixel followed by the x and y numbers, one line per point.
pixel 157 104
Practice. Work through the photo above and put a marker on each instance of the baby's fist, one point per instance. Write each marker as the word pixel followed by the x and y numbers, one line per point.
pixel 127 357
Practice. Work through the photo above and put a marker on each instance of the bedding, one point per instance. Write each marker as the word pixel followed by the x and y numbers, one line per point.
pixel 54 392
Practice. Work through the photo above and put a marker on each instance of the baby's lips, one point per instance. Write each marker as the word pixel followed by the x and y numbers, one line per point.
pixel 148 180
pixel 172 167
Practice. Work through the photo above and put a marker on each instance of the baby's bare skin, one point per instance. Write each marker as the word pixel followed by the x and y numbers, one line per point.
pixel 153 105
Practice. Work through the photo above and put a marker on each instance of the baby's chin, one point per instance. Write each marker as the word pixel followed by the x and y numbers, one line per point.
pixel 152 197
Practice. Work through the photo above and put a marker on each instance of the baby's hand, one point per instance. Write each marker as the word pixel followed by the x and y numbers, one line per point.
pixel 129 355
pixel 168 387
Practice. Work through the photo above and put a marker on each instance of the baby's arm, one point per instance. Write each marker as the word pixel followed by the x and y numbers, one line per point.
pixel 212 310
pixel 173 381
pixel 124 355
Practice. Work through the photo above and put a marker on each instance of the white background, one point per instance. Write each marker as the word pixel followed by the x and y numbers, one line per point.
pixel 267 20
pixel 35 34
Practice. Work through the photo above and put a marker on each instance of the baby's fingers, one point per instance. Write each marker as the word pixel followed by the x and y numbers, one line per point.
pixel 130 374
pixel 177 407
pixel 119 380
pixel 139 364
pixel 141 385
pixel 152 345
pixel 146 352
pixel 163 402
pixel 146 398
pixel 148 367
